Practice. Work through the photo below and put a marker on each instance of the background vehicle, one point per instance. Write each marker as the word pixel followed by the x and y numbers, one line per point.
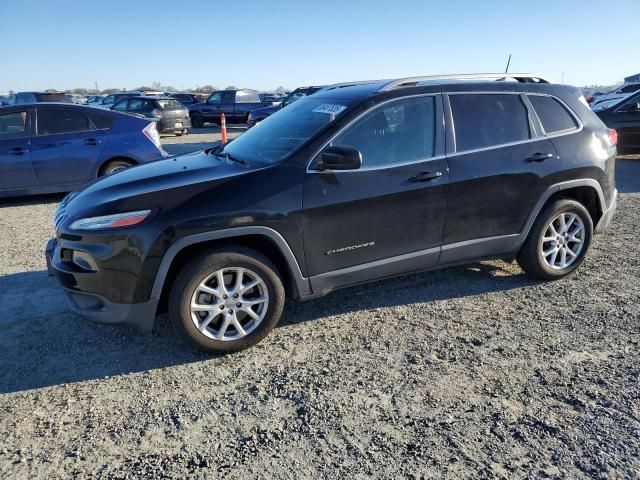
pixel 346 186
pixel 186 98
pixel 108 101
pixel 39 97
pixel 258 115
pixel 624 116
pixel 54 147
pixel 235 104
pixel 171 115
pixel 77 98
pixel 94 100
pixel 610 98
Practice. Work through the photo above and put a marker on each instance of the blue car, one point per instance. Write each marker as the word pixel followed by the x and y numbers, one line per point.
pixel 55 147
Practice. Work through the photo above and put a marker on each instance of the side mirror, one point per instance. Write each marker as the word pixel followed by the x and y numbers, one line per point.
pixel 338 157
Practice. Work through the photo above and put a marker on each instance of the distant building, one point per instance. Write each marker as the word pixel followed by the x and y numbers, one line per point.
pixel 632 78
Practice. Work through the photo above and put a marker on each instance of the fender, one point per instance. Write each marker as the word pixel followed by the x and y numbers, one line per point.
pixel 558 187
pixel 302 283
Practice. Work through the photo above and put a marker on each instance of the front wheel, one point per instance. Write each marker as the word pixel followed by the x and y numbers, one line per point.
pixel 226 300
pixel 558 241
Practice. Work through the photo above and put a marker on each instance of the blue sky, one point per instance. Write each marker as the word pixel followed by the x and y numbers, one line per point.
pixel 66 44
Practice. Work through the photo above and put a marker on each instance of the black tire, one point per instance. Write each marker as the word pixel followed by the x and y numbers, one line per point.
pixel 196 120
pixel 198 269
pixel 114 166
pixel 177 134
pixel 531 259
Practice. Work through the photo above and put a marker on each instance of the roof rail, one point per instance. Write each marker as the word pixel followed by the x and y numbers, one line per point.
pixel 413 81
pixel 349 84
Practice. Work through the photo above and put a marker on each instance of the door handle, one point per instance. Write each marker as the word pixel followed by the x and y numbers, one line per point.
pixel 539 157
pixel 425 177
pixel 18 151
pixel 91 141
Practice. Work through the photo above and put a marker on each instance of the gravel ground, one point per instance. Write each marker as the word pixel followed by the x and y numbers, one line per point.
pixel 474 372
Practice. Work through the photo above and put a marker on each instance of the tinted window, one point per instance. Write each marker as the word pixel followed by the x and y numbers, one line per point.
pixel 553 115
pixel 108 100
pixel 215 98
pixel 485 120
pixel 53 97
pixel 136 104
pixel 25 98
pixel 101 121
pixel 228 97
pixel 169 104
pixel 13 125
pixel 630 88
pixel 120 105
pixel 399 132
pixel 58 120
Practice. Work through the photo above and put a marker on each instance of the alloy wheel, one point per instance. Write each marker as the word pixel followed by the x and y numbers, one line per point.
pixel 563 240
pixel 229 304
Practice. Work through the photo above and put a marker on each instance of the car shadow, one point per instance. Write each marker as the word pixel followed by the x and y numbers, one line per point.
pixel 32 200
pixel 44 343
pixel 628 174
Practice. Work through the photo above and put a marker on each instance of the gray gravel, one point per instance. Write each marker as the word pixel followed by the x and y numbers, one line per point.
pixel 475 372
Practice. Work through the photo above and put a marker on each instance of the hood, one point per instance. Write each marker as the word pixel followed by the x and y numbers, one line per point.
pixel 141 186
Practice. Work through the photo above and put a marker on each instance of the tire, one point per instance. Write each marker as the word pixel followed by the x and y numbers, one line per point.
pixel 196 120
pixel 532 256
pixel 202 272
pixel 114 166
pixel 177 134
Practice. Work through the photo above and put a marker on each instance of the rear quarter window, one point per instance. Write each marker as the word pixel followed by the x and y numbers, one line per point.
pixel 488 120
pixel 102 122
pixel 552 114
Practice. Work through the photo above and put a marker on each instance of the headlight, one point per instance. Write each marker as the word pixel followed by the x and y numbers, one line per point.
pixel 110 221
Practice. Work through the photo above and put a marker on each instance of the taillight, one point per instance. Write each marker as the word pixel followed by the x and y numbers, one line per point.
pixel 156 113
pixel 613 137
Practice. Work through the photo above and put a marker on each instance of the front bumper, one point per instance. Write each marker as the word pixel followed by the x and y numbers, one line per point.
pixel 93 306
pixel 607 215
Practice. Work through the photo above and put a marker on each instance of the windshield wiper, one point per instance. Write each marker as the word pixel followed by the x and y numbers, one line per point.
pixel 228 156
pixel 218 151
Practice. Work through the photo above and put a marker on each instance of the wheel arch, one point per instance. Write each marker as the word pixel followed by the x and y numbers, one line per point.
pixel 263 239
pixel 587 191
pixel 115 158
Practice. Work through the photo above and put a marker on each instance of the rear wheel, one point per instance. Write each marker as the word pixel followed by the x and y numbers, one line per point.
pixel 558 241
pixel 226 300
pixel 115 166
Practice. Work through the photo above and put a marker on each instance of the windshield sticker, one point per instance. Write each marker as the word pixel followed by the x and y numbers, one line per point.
pixel 329 108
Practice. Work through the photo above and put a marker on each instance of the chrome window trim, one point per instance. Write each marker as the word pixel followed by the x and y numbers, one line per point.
pixel 532 124
pixel 367 111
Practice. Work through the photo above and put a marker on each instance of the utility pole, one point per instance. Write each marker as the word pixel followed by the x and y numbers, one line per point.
pixel 97 89
pixel 562 81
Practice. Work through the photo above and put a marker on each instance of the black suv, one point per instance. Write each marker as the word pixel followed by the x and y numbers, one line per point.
pixel 352 184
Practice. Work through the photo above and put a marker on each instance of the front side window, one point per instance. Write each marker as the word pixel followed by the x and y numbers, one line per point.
pixel 634 87
pixel 58 120
pixel 13 125
pixel 632 105
pixel 215 98
pixel 488 120
pixel 396 133
pixel 108 100
pixel 552 114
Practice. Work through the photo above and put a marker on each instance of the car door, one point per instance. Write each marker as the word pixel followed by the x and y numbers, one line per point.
pixel 66 147
pixel 386 217
pixel 212 107
pixel 16 168
pixel 500 164
pixel 626 120
pixel 229 106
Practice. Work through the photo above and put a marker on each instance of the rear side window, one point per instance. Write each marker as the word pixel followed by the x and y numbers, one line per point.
pixel 487 120
pixel 102 122
pixel 13 125
pixel 247 96
pixel 553 115
pixel 53 97
pixel 396 133
pixel 59 120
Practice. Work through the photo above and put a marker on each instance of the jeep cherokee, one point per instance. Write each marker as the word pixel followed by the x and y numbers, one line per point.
pixel 354 183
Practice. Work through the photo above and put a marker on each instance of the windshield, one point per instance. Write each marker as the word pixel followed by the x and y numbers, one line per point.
pixel 283 132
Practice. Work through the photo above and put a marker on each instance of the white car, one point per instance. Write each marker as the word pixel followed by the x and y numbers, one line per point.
pixel 615 96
